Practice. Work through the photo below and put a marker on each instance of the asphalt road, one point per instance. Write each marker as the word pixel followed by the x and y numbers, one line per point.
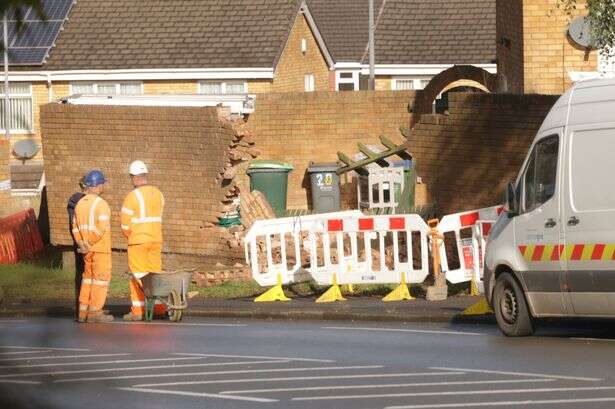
pixel 55 363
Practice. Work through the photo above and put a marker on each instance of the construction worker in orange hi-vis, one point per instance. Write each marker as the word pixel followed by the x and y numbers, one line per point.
pixel 92 233
pixel 142 226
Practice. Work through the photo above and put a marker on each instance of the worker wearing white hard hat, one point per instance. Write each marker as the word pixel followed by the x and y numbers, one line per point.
pixel 142 225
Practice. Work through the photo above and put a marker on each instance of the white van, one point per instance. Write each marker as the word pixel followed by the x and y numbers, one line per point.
pixel 552 254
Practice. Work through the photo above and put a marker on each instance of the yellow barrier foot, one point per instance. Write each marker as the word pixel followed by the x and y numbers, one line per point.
pixel 480 308
pixel 474 288
pixel 349 289
pixel 400 292
pixel 275 293
pixel 333 293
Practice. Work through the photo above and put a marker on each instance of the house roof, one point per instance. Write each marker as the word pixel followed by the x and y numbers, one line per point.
pixel 142 34
pixel 409 31
pixel 129 34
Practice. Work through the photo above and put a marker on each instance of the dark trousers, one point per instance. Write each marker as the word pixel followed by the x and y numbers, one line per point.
pixel 79 267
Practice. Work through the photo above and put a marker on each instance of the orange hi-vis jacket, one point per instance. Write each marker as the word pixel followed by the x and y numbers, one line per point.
pixel 142 215
pixel 91 223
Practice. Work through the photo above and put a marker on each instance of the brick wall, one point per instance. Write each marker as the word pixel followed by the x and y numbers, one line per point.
pixel 467 157
pixel 509 38
pixel 303 127
pixel 294 64
pixel 185 149
pixel 540 54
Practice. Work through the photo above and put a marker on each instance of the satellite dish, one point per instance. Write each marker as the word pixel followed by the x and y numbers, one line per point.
pixel 579 31
pixel 25 149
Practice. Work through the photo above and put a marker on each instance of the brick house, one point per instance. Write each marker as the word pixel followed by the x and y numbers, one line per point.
pixel 249 46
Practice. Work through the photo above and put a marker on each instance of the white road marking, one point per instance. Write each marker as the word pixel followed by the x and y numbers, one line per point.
pixel 198 394
pixel 538 375
pixel 24 352
pixel 242 371
pixel 518 403
pixel 117 361
pixel 19 381
pixel 11 321
pixel 138 368
pixel 417 331
pixel 30 358
pixel 391 385
pixel 301 378
pixel 175 324
pixel 449 393
pixel 256 357
pixel 47 348
pixel 593 339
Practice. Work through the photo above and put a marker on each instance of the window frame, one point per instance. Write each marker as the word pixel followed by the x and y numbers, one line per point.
pixel 309 83
pixel 354 79
pixel 532 158
pixel 117 84
pixel 222 86
pixel 29 96
pixel 416 82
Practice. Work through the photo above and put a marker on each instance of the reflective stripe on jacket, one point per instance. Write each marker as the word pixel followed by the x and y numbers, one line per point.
pixel 142 215
pixel 91 223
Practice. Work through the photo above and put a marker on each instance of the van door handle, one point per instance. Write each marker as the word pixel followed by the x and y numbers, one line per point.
pixel 573 221
pixel 550 223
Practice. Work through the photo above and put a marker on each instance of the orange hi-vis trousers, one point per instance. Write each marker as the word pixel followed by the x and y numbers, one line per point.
pixel 142 260
pixel 95 283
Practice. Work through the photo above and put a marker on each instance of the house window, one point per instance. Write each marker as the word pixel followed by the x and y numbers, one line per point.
pixel 408 84
pixel 347 81
pixel 107 88
pixel 20 107
pixel 223 87
pixel 309 82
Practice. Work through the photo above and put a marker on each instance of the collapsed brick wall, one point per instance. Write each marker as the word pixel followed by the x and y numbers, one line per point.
pixel 186 149
pixel 467 157
pixel 313 126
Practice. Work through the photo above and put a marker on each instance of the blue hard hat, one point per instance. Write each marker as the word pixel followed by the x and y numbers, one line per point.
pixel 94 178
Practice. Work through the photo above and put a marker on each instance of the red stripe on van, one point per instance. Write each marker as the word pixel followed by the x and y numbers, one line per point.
pixel 468 219
pixel 540 248
pixel 577 252
pixel 598 250
pixel 522 250
pixel 557 251
pixel 366 224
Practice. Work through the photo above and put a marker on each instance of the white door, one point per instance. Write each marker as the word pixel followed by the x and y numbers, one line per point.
pixel 589 217
pixel 538 227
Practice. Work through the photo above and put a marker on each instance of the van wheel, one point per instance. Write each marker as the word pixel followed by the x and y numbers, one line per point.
pixel 511 310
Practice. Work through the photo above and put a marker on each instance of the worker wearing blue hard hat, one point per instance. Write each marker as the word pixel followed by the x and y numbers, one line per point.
pixel 92 232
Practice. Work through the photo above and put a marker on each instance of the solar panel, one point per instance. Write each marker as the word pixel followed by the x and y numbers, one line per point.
pixel 30 44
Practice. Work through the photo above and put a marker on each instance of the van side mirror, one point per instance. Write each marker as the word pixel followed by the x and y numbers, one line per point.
pixel 511 200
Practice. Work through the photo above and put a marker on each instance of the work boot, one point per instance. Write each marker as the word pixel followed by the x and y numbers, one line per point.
pixel 99 317
pixel 132 317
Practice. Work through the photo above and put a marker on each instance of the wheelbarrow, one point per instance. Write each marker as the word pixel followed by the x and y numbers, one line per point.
pixel 168 287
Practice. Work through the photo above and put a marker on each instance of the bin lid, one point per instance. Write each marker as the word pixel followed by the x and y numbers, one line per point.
pixel 322 167
pixel 270 164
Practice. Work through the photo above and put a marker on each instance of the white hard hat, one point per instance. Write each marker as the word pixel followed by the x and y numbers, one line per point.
pixel 137 168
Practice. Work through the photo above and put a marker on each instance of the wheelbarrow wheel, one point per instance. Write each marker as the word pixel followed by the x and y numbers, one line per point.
pixel 174 299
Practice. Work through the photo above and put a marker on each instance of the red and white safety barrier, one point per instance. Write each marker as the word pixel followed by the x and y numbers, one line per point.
pixel 273 233
pixel 467 246
pixel 480 231
pixel 345 246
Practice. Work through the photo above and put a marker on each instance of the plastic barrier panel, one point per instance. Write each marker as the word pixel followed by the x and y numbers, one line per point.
pixel 479 240
pixel 362 249
pixel 458 232
pixel 20 237
pixel 275 247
